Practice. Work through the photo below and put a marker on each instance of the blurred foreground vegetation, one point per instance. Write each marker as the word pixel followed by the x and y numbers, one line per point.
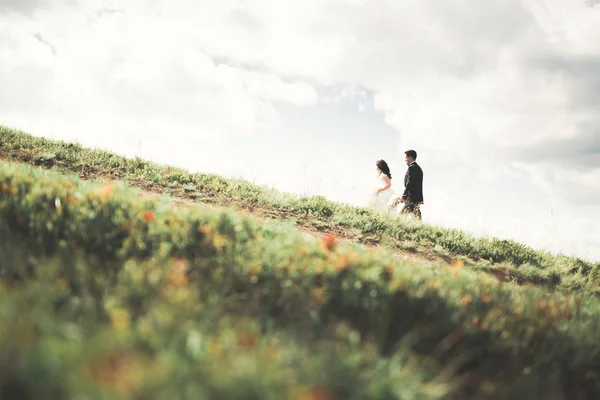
pixel 106 295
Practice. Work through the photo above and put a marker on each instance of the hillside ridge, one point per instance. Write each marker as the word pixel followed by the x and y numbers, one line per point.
pixel 507 260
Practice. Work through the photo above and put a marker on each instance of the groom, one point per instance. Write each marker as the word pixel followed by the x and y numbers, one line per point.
pixel 413 183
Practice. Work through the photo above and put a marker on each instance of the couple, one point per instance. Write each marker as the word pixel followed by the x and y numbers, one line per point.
pixel 384 200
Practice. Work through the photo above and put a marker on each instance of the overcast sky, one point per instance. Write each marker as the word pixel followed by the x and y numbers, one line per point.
pixel 500 98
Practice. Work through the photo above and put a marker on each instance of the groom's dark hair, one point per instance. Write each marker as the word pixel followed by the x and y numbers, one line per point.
pixel 411 153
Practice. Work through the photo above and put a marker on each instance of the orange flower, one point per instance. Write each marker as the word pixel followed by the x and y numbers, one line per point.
pixel 329 242
pixel 247 340
pixel 342 263
pixel 108 190
pixel 4 187
pixel 465 300
pixel 317 394
pixel 180 266
pixel 457 264
pixel 148 216
pixel 486 298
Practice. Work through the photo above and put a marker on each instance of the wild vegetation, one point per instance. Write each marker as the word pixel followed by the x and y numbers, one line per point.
pixel 106 294
pixel 506 259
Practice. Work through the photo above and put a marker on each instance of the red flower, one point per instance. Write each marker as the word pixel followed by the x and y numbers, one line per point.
pixel 330 242
pixel 148 216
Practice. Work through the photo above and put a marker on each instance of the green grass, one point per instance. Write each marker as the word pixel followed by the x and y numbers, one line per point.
pixel 503 258
pixel 197 302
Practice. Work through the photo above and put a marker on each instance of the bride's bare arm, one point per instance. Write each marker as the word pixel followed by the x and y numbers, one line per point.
pixel 388 184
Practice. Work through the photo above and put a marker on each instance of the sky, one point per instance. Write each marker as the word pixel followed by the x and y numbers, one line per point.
pixel 499 98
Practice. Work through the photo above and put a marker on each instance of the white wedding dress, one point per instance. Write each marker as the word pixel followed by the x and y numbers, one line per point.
pixel 381 201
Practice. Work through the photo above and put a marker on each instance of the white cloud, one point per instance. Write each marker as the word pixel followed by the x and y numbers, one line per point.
pixel 494 91
pixel 448 75
pixel 134 64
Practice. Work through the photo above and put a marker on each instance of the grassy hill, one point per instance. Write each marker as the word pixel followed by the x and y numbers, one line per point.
pixel 213 292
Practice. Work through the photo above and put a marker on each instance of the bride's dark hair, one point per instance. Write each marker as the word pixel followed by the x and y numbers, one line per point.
pixel 382 165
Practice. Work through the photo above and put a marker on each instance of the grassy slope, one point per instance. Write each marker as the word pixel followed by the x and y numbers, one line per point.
pixel 507 260
pixel 103 266
pixel 96 278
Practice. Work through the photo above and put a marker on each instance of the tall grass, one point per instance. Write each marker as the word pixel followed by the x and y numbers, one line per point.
pixel 504 258
pixel 108 293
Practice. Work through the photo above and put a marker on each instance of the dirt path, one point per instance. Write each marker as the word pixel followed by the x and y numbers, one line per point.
pixel 309 228
pixel 258 214
pixel 151 190
pixel 425 256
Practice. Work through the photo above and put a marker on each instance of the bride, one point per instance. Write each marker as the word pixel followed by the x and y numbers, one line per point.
pixel 381 197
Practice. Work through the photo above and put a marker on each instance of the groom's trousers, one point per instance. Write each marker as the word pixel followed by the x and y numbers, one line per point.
pixel 412 208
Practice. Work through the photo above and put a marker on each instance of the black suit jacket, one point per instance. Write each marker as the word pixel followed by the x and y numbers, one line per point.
pixel 413 183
